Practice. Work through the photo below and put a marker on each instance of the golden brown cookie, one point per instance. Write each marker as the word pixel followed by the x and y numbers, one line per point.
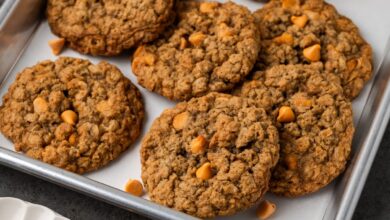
pixel 71 113
pixel 307 31
pixel 212 47
pixel 107 27
pixel 315 125
pixel 210 156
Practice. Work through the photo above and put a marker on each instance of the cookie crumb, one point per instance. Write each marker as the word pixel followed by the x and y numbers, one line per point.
pixel 57 45
pixel 134 187
pixel 266 209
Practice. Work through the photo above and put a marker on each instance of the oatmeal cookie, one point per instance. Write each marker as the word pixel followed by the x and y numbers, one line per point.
pixel 212 47
pixel 306 31
pixel 71 113
pixel 210 156
pixel 315 125
pixel 108 27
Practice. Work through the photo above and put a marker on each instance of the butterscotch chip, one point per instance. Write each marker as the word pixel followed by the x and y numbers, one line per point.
pixel 136 63
pixel 149 59
pixel 180 120
pixel 134 187
pixel 108 27
pixel 231 172
pixel 314 22
pixel 71 113
pixel 290 3
pixel 286 114
pixel 265 210
pixel 40 105
pixel 72 139
pixel 146 59
pixel 285 38
pixel 224 31
pixel 207 7
pixel 197 38
pixel 204 172
pixel 212 48
pixel 139 50
pixel 183 43
pixel 57 45
pixel 198 145
pixel 312 53
pixel 315 146
pixel 299 21
pixel 69 117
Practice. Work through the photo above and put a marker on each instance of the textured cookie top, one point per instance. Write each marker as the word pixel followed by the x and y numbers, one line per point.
pixel 301 32
pixel 71 113
pixel 314 121
pixel 210 156
pixel 107 27
pixel 212 47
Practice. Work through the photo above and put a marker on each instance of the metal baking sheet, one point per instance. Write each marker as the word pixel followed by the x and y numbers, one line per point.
pixel 24 34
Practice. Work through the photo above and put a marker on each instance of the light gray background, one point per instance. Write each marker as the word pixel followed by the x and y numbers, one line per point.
pixel 374 202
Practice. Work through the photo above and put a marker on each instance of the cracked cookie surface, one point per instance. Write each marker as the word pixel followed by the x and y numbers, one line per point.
pixel 210 156
pixel 71 113
pixel 107 27
pixel 315 125
pixel 212 47
pixel 305 31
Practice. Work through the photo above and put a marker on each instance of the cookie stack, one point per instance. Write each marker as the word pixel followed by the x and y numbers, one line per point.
pixel 264 97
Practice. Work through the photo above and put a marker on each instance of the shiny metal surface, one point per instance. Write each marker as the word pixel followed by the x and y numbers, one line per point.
pixel 18 20
pixel 368 136
pixel 88 186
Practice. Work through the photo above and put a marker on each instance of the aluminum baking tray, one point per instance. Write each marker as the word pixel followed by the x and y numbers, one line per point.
pixel 24 34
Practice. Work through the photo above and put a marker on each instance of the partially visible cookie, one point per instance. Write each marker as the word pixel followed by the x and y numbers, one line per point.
pixel 315 125
pixel 108 27
pixel 210 156
pixel 306 31
pixel 71 113
pixel 212 47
